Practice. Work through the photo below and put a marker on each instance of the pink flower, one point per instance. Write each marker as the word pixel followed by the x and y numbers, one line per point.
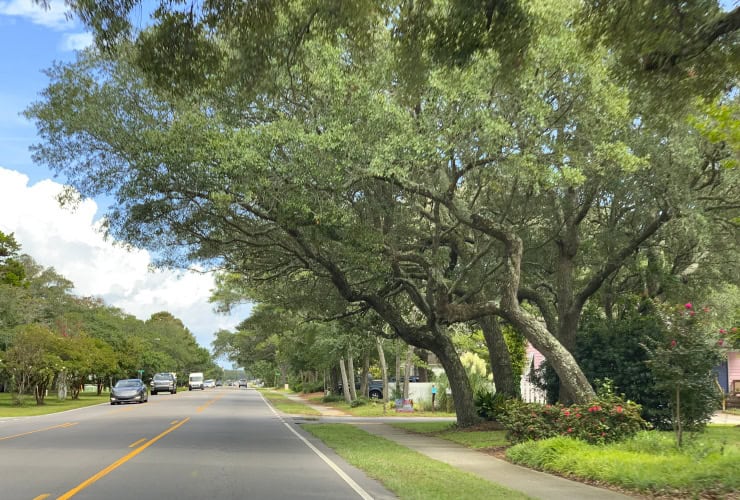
pixel 692 313
pixel 566 413
pixel 720 342
pixel 619 409
pixel 722 331
pixel 673 343
pixel 688 305
pixel 733 329
pixel 570 429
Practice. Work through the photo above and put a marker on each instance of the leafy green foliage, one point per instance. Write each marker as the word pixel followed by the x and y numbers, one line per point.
pixel 488 405
pixel 506 165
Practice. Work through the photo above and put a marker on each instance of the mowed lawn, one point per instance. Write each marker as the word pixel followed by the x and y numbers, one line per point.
pixel 51 404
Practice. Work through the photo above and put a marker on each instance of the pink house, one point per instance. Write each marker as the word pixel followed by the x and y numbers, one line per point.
pixel 530 392
pixel 728 374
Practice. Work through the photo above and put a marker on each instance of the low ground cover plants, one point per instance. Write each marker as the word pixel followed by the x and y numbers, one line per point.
pixel 650 462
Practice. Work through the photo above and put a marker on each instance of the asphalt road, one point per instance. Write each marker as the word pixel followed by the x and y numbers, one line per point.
pixel 223 443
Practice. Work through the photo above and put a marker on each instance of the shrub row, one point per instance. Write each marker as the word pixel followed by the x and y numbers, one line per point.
pixel 601 421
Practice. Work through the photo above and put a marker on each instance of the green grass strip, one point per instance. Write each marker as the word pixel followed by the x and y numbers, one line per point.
pixel 51 404
pixel 286 405
pixel 449 431
pixel 408 474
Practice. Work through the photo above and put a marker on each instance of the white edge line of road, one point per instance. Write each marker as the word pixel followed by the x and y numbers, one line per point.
pixel 360 491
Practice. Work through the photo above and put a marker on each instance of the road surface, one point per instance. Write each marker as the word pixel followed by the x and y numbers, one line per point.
pixel 223 443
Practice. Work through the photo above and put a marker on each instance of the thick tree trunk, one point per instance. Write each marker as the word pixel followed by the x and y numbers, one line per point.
pixel 573 382
pixel 503 375
pixel 462 393
pixel 423 355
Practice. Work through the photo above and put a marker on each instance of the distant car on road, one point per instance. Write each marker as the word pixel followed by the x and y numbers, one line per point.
pixel 242 382
pixel 132 390
pixel 164 382
pixel 209 383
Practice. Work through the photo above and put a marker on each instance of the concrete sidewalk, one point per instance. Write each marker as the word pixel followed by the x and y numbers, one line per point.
pixel 530 482
pixel 722 417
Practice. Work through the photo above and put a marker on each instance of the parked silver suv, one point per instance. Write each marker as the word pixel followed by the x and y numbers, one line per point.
pixel 164 382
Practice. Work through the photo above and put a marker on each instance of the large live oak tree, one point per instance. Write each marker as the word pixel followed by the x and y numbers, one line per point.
pixel 434 172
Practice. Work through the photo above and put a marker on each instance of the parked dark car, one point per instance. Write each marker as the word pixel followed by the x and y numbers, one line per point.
pixel 131 390
pixel 374 388
pixel 164 382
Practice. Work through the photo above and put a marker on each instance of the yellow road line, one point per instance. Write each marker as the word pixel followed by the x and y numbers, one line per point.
pixel 119 462
pixel 209 403
pixel 42 496
pixel 133 445
pixel 60 426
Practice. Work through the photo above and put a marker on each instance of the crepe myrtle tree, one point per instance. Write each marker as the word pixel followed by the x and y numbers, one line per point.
pixel 682 363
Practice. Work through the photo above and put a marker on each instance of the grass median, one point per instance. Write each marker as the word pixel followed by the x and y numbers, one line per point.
pixel 51 404
pixel 408 474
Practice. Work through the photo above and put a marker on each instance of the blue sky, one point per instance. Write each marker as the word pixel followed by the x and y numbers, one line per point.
pixel 31 40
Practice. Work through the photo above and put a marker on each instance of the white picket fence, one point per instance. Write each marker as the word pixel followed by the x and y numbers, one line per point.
pixel 530 392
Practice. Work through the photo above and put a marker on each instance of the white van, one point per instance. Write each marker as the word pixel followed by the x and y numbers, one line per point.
pixel 195 381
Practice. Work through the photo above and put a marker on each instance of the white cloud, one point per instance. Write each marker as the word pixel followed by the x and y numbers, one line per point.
pixel 69 241
pixel 53 17
pixel 76 41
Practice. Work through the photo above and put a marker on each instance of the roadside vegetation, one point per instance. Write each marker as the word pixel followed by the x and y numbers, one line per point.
pixel 649 463
pixel 280 401
pixel 411 475
pixel 8 408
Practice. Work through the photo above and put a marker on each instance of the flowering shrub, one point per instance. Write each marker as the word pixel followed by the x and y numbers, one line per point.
pixel 682 365
pixel 604 420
